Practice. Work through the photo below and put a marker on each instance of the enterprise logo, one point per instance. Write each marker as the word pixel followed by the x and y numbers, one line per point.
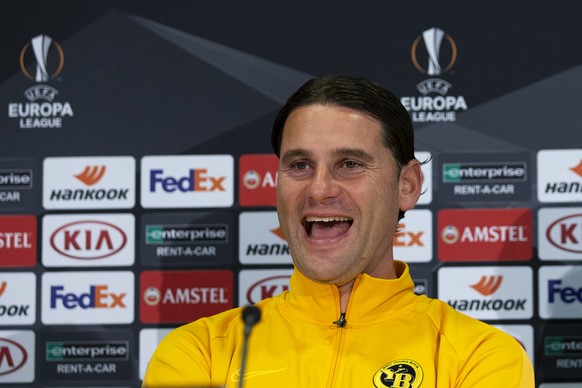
pixel 87 351
pixel 15 179
pixel 484 172
pixel 186 234
pixel 562 346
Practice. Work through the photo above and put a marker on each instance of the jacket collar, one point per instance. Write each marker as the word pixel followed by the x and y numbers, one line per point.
pixel 370 300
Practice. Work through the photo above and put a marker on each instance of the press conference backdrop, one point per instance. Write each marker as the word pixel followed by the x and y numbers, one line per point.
pixel 137 183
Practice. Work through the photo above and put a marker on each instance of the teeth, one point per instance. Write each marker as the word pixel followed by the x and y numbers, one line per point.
pixel 327 219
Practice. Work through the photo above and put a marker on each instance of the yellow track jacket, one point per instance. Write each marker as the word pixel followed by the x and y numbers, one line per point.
pixel 391 338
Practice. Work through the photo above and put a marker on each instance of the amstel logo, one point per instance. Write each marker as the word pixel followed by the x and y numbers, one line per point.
pixel 152 296
pixel 450 234
pixel 399 373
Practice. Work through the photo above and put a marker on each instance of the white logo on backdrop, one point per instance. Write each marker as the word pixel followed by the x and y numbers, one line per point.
pixel 187 181
pixel 488 292
pixel 88 240
pixel 560 233
pixel 87 297
pixel 413 241
pixel 260 239
pixel 89 183
pixel 17 298
pixel 560 175
pixel 560 291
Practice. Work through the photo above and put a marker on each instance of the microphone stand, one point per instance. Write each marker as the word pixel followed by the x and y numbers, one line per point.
pixel 250 316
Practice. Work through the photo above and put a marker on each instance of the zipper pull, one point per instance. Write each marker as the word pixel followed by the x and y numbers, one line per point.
pixel 341 322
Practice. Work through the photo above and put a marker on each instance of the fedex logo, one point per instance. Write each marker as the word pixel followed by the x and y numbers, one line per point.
pixel 413 240
pixel 187 181
pixel 98 297
pixel 195 180
pixel 566 294
pixel 560 291
pixel 88 297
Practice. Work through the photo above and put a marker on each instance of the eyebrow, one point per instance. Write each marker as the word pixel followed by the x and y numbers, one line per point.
pixel 343 152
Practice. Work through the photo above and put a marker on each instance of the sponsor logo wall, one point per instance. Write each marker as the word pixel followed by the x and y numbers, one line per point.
pixel 138 187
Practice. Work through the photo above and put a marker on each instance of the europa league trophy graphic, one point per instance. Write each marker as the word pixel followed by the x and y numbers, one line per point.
pixel 432 40
pixel 40 48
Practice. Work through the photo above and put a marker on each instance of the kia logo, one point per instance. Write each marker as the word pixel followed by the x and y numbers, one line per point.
pixel 267 288
pixel 88 240
pixel 566 233
pixel 13 356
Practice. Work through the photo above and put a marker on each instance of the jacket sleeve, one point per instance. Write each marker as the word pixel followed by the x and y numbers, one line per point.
pixel 498 361
pixel 181 359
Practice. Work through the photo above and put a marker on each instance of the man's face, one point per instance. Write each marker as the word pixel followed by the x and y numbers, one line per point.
pixel 339 192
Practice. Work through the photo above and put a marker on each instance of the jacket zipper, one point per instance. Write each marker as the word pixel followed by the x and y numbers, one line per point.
pixel 341 328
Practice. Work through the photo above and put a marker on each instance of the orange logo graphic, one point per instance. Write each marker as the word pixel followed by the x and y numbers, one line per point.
pixel 91 175
pixel 578 168
pixel 487 285
pixel 3 288
pixel 277 232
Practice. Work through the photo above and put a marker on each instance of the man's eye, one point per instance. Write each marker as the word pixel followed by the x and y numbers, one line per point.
pixel 300 165
pixel 350 164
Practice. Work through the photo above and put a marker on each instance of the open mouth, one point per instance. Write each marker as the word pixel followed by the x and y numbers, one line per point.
pixel 320 228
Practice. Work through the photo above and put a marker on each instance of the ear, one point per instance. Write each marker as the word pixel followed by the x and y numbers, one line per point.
pixel 410 185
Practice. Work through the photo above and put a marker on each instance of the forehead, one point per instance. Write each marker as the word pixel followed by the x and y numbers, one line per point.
pixel 321 125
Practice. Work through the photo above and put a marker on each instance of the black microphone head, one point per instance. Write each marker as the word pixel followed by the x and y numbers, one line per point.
pixel 251 315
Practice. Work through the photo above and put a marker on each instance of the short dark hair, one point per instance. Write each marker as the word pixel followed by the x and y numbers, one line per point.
pixel 361 95
pixel 358 94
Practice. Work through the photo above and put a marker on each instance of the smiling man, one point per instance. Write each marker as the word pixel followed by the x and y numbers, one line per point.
pixel 347 175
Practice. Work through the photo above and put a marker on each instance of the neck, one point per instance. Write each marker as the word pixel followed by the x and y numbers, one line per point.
pixel 345 292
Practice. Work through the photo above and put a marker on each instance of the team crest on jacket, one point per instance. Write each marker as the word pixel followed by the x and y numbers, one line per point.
pixel 399 374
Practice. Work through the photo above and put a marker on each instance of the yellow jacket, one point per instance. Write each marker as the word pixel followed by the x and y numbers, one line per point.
pixel 392 338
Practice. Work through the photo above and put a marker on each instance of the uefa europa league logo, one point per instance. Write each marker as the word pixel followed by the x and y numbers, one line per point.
pixel 41 45
pixel 433 41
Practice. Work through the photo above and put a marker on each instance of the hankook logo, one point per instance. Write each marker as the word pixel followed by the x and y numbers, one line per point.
pixel 91 174
pixel 439 58
pixel 577 169
pixel 40 47
pixel 487 285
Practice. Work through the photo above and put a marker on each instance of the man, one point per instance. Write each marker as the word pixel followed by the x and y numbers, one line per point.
pixel 347 174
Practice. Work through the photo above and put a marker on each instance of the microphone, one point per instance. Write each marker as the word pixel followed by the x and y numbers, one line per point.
pixel 251 315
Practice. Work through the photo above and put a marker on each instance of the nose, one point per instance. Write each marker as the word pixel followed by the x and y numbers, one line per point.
pixel 323 186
